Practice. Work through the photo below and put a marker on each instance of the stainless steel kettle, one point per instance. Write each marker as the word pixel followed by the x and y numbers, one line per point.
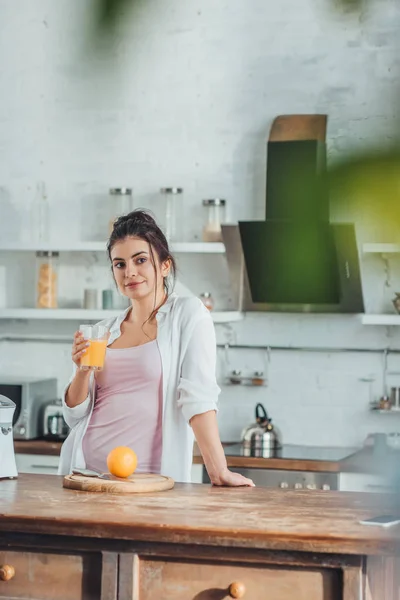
pixel 261 439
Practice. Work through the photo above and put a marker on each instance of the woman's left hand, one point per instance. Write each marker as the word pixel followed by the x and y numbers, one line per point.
pixel 230 479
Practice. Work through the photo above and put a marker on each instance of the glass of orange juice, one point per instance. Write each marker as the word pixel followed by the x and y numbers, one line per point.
pixel 97 336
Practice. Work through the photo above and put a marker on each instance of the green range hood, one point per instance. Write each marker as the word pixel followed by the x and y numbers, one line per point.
pixel 295 260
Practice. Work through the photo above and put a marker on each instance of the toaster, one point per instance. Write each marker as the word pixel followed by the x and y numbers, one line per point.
pixel 54 425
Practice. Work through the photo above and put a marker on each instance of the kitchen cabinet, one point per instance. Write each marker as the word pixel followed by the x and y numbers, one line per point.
pixel 194 542
pixel 37 463
pixel 197 473
pixel 364 482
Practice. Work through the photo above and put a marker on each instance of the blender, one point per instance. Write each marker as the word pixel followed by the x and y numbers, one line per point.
pixel 8 467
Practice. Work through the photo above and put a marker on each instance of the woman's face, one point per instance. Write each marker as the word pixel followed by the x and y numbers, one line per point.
pixel 135 274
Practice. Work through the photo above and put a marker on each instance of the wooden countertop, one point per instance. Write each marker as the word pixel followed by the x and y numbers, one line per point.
pixel 284 464
pixel 259 518
pixel 43 447
pixel 363 461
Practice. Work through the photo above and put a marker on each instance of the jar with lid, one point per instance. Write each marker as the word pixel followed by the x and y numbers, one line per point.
pixel 121 204
pixel 207 300
pixel 215 216
pixel 46 279
pixel 40 214
pixel 172 205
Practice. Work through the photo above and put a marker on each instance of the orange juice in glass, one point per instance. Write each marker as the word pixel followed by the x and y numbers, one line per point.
pixel 97 336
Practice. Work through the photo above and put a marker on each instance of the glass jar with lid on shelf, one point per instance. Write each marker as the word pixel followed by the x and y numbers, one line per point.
pixel 172 206
pixel 40 214
pixel 215 216
pixel 121 204
pixel 46 279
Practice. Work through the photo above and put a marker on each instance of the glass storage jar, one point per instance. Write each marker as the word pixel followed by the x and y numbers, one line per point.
pixel 172 204
pixel 40 214
pixel 215 216
pixel 46 279
pixel 121 204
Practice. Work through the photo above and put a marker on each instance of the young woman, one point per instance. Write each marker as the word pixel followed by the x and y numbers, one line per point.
pixel 158 386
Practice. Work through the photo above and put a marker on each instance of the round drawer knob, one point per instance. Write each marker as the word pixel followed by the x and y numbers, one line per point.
pixel 7 572
pixel 237 590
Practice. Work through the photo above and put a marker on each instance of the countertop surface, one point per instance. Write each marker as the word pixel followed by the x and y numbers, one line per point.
pixel 294 457
pixel 289 458
pixel 260 518
pixel 44 447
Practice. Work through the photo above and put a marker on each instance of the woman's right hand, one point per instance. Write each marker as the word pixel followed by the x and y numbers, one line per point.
pixel 79 348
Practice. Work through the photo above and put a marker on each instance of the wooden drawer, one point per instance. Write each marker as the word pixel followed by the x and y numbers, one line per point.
pixel 187 580
pixel 47 576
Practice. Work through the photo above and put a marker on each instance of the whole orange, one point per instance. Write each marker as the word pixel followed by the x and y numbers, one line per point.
pixel 122 461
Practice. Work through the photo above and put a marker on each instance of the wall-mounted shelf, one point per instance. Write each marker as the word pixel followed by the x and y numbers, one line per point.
pixel 385 320
pixel 381 248
pixel 393 410
pixel 178 248
pixel 83 315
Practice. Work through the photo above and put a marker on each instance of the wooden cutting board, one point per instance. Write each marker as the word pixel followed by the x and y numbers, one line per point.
pixel 135 484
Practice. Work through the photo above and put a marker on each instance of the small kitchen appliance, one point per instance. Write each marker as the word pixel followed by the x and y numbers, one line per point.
pixel 8 467
pixel 29 397
pixel 54 426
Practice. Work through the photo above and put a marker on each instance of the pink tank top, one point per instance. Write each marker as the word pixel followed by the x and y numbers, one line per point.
pixel 127 409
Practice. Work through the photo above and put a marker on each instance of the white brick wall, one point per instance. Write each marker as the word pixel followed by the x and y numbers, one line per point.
pixel 186 97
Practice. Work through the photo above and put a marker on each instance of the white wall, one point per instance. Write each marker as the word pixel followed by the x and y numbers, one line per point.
pixel 185 96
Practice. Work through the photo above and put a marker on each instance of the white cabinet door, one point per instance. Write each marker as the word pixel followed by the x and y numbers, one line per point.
pixel 197 473
pixel 37 463
pixel 363 482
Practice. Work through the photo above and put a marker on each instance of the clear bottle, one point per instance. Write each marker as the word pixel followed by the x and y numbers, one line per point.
pixel 215 216
pixel 121 204
pixel 172 205
pixel 46 279
pixel 40 214
pixel 207 300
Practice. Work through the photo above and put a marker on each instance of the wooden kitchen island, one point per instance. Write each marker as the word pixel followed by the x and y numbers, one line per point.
pixel 194 542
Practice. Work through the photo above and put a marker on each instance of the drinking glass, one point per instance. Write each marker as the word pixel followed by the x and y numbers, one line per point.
pixel 97 336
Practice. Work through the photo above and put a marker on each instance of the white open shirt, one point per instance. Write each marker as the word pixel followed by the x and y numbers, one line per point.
pixel 187 345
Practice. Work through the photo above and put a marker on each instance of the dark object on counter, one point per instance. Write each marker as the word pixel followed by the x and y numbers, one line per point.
pixel 261 438
pixel 54 426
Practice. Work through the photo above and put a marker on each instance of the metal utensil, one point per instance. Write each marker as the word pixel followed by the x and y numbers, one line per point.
pixel 98 475
pixel 89 473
